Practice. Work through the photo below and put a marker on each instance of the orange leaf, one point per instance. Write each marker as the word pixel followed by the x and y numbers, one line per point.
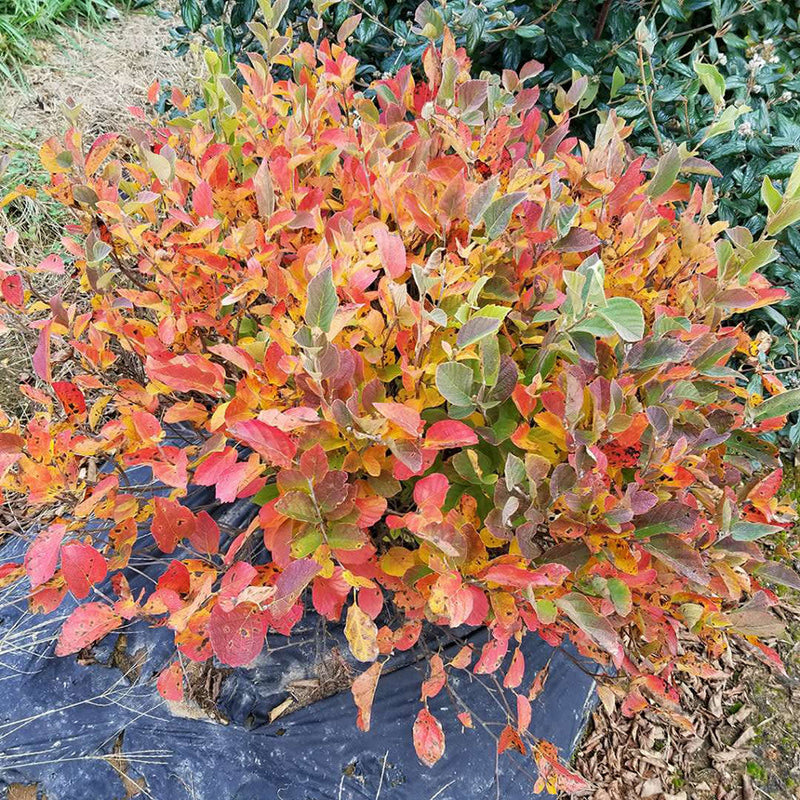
pixel 363 690
pixel 510 738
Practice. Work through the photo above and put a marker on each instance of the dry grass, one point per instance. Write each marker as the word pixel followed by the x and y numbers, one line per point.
pixel 745 742
pixel 102 71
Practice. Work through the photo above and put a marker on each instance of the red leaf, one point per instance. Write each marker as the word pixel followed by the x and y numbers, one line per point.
pixel 226 473
pixel 524 713
pixel 271 443
pixel 42 556
pixel 431 490
pixel 170 682
pixel 465 718
pixel 539 682
pixel 510 738
pixel 290 584
pixel 203 200
pixel 204 534
pixel 171 522
pixel 10 572
pixel 518 577
pixel 71 399
pixel 392 251
pixel 450 433
pixel 51 263
pixel 86 625
pixel 329 595
pixel 13 290
pixel 363 690
pixel 41 356
pixel 516 670
pixel 405 417
pixel 370 601
pixel 236 580
pixel 82 567
pixel 492 655
pixel 463 658
pixel 187 373
pixel 237 636
pixel 428 738
pixel 11 444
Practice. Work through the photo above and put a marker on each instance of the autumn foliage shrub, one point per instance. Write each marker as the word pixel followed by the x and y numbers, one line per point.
pixel 469 368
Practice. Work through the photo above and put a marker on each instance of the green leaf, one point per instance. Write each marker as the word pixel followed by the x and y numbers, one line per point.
pixel 581 612
pixel 454 382
pixel 476 329
pixel 788 214
pixel 778 573
pixel 617 82
pixel 666 172
pixel 620 596
pixel 625 316
pixel 725 122
pixel 778 406
pixel 770 195
pixel 265 494
pixel 793 184
pixel 481 200
pixel 490 360
pixel 297 505
pixel 712 79
pixel 750 531
pixel 498 214
pixel 514 471
pixel 322 300
pixel 192 14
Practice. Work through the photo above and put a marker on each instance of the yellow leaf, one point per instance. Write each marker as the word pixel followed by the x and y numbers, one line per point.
pixel 397 561
pixel 362 634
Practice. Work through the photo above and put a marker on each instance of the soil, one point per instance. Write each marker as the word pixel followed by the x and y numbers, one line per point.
pixel 745 742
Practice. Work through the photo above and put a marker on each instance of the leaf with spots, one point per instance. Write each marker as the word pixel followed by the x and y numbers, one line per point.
pixel 82 567
pixel 362 634
pixel 237 636
pixel 428 738
pixel 86 625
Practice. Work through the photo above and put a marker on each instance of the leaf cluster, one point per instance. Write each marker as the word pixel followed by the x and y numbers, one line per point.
pixel 471 369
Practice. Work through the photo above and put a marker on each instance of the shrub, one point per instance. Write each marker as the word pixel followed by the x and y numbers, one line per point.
pixel 748 49
pixel 468 367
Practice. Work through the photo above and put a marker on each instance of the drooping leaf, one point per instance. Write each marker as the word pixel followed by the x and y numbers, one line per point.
pixel 362 634
pixel 581 612
pixel 428 738
pixel 363 690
